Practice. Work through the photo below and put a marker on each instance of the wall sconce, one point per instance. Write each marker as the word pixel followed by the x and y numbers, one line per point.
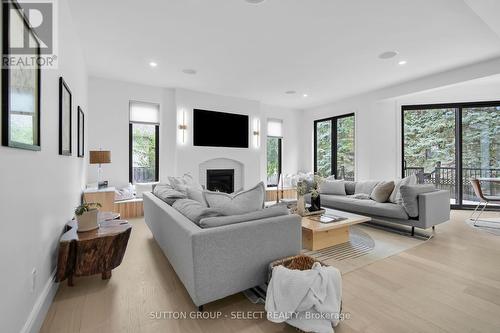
pixel 183 127
pixel 256 132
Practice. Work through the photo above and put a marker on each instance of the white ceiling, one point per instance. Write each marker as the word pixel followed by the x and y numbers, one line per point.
pixel 325 48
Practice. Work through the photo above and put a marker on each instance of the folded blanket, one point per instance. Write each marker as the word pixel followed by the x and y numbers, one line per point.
pixel 309 300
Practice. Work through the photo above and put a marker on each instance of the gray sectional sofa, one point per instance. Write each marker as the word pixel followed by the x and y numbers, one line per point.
pixel 216 262
pixel 432 207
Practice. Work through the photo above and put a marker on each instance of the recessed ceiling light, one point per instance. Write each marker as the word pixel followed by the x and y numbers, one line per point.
pixel 388 55
pixel 305 95
pixel 290 92
pixel 402 62
pixel 153 64
pixel 189 71
pixel 255 1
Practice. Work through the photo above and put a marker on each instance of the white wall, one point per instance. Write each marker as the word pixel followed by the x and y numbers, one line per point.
pixel 378 117
pixel 108 100
pixel 109 126
pixel 189 157
pixel 39 193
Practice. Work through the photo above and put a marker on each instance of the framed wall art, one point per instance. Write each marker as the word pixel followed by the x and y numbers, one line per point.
pixel 21 80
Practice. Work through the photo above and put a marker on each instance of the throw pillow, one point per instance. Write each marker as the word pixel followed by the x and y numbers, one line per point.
pixel 395 195
pixel 409 196
pixel 365 187
pixel 335 187
pixel 239 203
pixel 182 183
pixel 194 210
pixel 194 193
pixel 125 193
pixel 382 191
pixel 140 188
pixel 168 194
pixel 350 187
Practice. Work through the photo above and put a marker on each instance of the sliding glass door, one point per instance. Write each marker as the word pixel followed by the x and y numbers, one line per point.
pixel 334 147
pixel 430 147
pixel 448 144
pixel 480 149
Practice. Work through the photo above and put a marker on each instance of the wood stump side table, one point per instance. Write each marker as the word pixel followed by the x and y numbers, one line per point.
pixel 92 252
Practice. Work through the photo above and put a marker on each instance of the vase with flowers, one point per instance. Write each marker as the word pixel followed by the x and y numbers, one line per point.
pixel 315 195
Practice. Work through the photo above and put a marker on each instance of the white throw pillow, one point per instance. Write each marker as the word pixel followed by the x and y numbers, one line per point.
pixel 125 193
pixel 181 184
pixel 140 188
pixel 335 187
pixel 194 193
pixel 396 195
pixel 240 203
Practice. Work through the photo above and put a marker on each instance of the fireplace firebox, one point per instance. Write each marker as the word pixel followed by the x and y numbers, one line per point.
pixel 220 180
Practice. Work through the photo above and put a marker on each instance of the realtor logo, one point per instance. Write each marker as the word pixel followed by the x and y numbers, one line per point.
pixel 31 32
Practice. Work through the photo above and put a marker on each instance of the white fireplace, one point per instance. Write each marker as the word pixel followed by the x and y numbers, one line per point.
pixel 223 164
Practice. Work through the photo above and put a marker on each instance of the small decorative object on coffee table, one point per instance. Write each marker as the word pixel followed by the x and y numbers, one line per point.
pixel 92 252
pixel 317 235
pixel 315 196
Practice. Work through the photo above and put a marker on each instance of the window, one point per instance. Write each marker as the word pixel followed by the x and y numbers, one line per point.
pixel 334 147
pixel 274 142
pixel 448 144
pixel 144 131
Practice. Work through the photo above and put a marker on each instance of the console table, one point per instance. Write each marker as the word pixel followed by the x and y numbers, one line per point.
pixel 92 252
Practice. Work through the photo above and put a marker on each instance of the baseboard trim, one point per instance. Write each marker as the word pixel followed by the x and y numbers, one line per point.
pixel 41 307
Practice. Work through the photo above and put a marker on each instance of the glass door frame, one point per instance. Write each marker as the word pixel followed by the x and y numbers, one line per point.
pixel 458 142
pixel 334 136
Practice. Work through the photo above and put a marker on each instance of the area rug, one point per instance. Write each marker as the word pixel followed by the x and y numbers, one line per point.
pixel 368 244
pixel 490 225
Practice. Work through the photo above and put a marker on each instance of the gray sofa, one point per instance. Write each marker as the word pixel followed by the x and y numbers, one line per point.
pixel 217 262
pixel 433 208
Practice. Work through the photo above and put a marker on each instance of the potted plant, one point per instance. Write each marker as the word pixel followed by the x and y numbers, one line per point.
pixel 86 216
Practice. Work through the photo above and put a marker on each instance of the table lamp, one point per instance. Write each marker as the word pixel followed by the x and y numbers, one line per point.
pixel 100 157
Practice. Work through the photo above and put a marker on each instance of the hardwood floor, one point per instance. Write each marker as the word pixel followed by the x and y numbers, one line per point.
pixel 449 284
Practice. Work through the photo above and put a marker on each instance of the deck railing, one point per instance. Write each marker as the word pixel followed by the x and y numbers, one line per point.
pixel 445 178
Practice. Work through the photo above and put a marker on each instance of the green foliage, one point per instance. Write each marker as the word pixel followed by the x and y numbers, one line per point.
pixel 324 148
pixel 345 147
pixel 272 157
pixel 80 210
pixel 429 137
pixel 144 145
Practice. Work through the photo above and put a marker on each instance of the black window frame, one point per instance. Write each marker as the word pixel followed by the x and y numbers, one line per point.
pixel 130 151
pixel 458 141
pixel 334 135
pixel 280 162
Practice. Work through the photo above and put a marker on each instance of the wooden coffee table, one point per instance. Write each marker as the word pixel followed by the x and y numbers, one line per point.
pixel 317 235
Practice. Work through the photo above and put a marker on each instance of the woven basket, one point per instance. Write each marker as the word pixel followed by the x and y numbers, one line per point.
pixel 300 262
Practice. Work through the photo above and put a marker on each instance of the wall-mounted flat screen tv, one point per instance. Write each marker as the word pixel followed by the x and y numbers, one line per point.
pixel 219 129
